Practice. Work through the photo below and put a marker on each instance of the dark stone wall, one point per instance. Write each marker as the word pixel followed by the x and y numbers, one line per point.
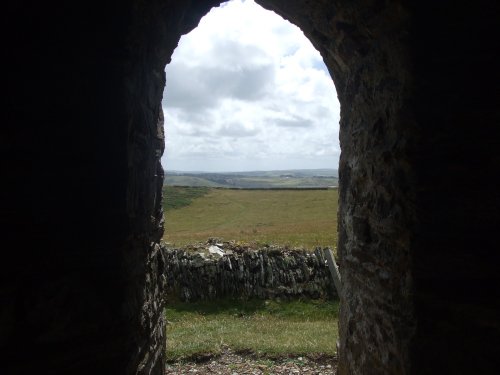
pixel 418 203
pixel 81 195
pixel 64 196
pixel 455 248
pixel 80 201
pixel 80 213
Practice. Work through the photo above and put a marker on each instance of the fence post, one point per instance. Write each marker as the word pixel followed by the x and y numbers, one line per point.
pixel 334 270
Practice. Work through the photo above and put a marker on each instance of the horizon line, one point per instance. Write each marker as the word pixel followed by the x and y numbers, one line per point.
pixel 251 170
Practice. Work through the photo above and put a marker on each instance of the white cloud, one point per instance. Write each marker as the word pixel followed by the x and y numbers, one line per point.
pixel 246 90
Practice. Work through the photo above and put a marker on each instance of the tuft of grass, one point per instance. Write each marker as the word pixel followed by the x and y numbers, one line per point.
pixel 294 218
pixel 266 328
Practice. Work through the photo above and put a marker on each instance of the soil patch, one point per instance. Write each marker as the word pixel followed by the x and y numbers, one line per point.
pixel 230 362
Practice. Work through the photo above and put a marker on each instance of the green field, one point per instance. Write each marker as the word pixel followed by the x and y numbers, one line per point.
pixel 296 218
pixel 267 328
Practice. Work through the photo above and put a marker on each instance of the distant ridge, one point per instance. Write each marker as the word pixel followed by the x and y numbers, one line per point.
pixel 287 178
pixel 303 172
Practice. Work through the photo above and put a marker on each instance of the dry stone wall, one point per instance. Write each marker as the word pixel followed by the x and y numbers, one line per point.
pixel 226 271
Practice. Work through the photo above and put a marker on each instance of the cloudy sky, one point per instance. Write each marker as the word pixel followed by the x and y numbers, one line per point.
pixel 245 91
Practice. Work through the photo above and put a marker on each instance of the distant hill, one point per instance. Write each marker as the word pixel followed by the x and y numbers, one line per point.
pixel 187 180
pixel 293 178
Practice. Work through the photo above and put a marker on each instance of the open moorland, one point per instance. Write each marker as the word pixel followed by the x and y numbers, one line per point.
pixel 294 218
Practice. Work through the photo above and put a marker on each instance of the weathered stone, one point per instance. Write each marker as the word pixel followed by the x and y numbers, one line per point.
pixel 265 273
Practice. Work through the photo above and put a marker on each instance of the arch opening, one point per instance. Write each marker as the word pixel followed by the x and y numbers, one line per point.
pixel 247 92
pixel 366 127
pixel 370 82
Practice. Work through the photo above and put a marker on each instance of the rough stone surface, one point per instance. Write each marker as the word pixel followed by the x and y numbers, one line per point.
pixel 246 273
pixel 419 207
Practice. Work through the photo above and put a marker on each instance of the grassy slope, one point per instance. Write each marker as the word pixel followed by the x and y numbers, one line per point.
pixel 291 182
pixel 190 181
pixel 253 181
pixel 270 327
pixel 285 217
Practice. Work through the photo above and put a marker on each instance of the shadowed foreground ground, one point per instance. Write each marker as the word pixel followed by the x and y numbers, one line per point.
pixel 231 363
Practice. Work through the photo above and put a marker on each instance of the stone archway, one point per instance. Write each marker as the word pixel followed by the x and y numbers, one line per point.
pixel 83 121
pixel 367 64
pixel 377 56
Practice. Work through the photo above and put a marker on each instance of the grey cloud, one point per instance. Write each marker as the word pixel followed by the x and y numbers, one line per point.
pixel 201 88
pixel 236 130
pixel 247 84
pixel 200 117
pixel 297 122
pixel 183 89
pixel 234 70
pixel 194 131
pixel 229 53
pixel 322 112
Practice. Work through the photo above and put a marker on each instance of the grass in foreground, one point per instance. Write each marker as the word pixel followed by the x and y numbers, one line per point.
pixel 297 218
pixel 267 328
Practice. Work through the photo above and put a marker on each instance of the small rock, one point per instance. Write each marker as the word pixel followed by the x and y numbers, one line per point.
pixel 216 250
